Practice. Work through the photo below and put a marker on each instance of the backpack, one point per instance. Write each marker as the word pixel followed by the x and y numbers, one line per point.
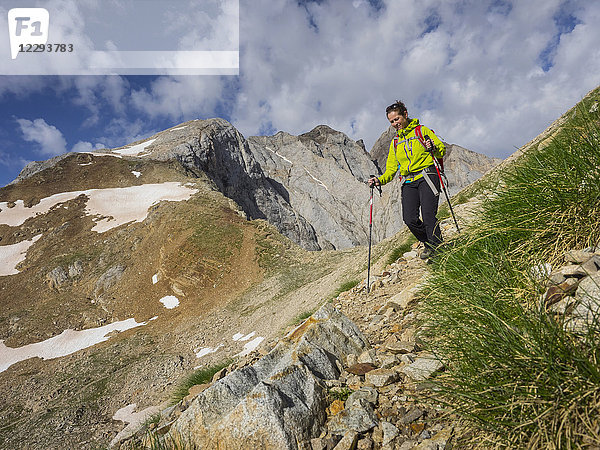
pixel 421 139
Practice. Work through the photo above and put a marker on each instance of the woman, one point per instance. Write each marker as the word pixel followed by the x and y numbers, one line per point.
pixel 411 154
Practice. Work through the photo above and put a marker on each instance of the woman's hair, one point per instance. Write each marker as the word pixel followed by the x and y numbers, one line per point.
pixel 398 106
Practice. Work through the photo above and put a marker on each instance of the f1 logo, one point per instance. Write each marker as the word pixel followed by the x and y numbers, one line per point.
pixel 27 26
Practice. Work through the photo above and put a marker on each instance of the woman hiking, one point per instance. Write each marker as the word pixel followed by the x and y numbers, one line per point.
pixel 411 154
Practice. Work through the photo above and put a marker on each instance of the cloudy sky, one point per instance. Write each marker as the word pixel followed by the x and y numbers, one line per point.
pixel 486 74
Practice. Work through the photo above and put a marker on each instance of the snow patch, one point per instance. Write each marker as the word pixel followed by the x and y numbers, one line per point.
pixel 133 419
pixel 66 343
pixel 178 128
pixel 135 150
pixel 251 346
pixel 131 204
pixel 241 337
pixel 170 301
pixel 137 174
pixel 155 278
pixel 12 255
pixel 116 206
pixel 207 351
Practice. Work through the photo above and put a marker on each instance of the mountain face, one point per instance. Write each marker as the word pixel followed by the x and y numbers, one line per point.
pixel 322 175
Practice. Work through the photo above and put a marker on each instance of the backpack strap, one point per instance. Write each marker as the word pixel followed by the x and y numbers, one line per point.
pixel 419 135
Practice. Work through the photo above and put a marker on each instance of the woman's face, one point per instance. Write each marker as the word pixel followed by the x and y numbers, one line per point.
pixel 398 121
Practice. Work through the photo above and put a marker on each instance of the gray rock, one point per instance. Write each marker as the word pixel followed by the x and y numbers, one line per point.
pixel 587 308
pixel 389 432
pixel 437 442
pixel 57 277
pixel 324 174
pixel 348 442
pixel 280 400
pixel 412 415
pixel 577 256
pixel 75 269
pixel 360 418
pixel 422 368
pixel 108 280
pixel 366 393
pixel 381 377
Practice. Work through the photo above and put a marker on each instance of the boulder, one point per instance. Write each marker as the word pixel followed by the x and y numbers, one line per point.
pixel 280 400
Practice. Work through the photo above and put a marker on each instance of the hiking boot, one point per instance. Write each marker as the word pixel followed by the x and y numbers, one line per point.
pixel 426 253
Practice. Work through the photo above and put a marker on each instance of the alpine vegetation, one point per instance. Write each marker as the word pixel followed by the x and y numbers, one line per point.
pixel 518 371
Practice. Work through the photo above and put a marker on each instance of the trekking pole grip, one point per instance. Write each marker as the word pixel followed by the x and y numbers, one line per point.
pixel 378 186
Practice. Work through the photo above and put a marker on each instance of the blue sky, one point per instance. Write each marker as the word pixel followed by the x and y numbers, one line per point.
pixel 486 74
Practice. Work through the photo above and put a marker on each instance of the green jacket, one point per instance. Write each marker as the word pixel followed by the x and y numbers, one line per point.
pixel 409 156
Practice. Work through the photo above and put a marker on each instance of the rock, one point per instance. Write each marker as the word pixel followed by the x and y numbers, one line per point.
pixel 381 377
pixel 360 417
pixel 318 444
pixel 348 442
pixel 422 368
pixel 587 307
pixel 407 445
pixel 218 150
pixel 401 347
pixel 412 415
pixel 108 279
pixel 572 271
pixel 368 357
pixel 577 256
pixel 366 393
pixel 280 399
pixel 388 361
pixel 361 368
pixel 389 432
pixel 366 443
pixel 439 441
pixel 554 294
pixel 75 269
pixel 401 300
pixel 57 278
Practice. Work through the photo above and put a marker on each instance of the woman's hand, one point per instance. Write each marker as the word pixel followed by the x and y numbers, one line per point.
pixel 373 182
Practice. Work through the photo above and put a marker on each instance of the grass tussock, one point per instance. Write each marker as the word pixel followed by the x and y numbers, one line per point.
pixel 345 286
pixel 200 376
pixel 404 247
pixel 515 374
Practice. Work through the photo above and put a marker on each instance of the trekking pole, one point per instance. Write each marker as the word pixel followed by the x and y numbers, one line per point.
pixel 437 169
pixel 370 232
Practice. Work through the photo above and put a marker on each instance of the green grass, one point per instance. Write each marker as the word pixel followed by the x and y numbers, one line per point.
pixel 302 317
pixel 404 247
pixel 200 376
pixel 515 374
pixel 345 286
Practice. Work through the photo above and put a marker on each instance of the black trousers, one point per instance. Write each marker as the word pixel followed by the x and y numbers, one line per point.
pixel 418 195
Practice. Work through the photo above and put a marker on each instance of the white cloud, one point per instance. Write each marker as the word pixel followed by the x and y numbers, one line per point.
pixel 179 97
pixel 83 146
pixel 49 138
pixel 476 76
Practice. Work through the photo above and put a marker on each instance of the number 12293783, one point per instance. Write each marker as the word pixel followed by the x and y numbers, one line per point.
pixel 46 48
